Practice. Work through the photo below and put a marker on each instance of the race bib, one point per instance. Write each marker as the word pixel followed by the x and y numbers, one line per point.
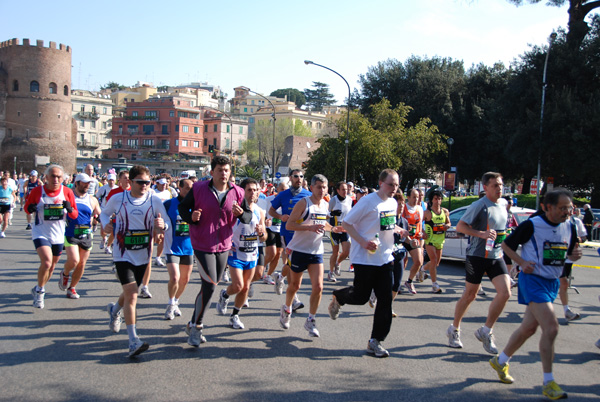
pixel 412 229
pixel 387 220
pixel 82 232
pixel 276 222
pixel 182 229
pixel 248 243
pixel 5 201
pixel 555 253
pixel 137 239
pixel 53 212
pixel 500 236
pixel 318 219
pixel 439 228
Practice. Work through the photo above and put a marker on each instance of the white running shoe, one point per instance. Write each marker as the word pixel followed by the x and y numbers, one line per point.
pixel 235 323
pixel 453 337
pixel 115 320
pixel 38 298
pixel 160 262
pixel 267 279
pixel 108 250
pixel 311 327
pixel 374 348
pixel 331 277
pixel 487 340
pixel 176 310
pixel 145 293
pixel 246 303
pixel 170 313
pixel 195 337
pixel 297 304
pixel 226 277
pixel 2 235
pixel 372 299
pixel 279 282
pixel 72 293
pixel 102 243
pixel 136 347
pixel 570 315
pixel 436 288
pixel 63 281
pixel 284 317
pixel 337 270
pixel 222 303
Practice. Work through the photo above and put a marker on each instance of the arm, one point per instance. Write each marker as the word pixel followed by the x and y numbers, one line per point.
pixel 185 208
pixel 366 244
pixel 260 228
pixel 465 228
pixel 70 204
pixel 32 200
pixel 245 216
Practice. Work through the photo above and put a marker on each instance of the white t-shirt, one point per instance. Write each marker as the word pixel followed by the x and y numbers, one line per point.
pixel 581 232
pixel 371 216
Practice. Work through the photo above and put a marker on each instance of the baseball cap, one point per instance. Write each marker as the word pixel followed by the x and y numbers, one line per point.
pixel 350 184
pixel 112 177
pixel 162 181
pixel 33 173
pixel 362 190
pixel 83 178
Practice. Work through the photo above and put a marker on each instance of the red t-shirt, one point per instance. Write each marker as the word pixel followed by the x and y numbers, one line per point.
pixel 115 191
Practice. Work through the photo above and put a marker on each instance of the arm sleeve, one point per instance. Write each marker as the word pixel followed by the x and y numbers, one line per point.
pixel 71 198
pixel 521 235
pixel 186 206
pixel 33 197
pixel 246 216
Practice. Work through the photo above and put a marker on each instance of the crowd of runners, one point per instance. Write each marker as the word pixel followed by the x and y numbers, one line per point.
pixel 239 233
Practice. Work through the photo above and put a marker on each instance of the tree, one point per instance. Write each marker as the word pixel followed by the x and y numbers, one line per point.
pixel 378 141
pixel 292 94
pixel 578 10
pixel 113 86
pixel 319 96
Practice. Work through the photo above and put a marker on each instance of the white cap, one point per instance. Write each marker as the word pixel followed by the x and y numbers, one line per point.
pixel 162 181
pixel 33 173
pixel 82 177
pixel 112 177
pixel 350 184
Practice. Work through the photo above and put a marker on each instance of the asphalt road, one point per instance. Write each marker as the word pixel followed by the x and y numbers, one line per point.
pixel 66 352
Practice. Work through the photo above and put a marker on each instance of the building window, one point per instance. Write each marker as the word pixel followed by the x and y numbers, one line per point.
pixel 319 125
pixel 172 113
pixel 227 143
pixel 15 85
pixel 39 114
pixel 132 129
pixel 151 113
pixel 176 143
pixel 66 90
pixel 245 110
pixel 104 125
pixel 251 120
pixel 132 143
pixel 83 108
pixel 215 142
pixel 18 113
pixel 165 144
pixel 228 128
pixel 148 143
pixel 81 123
pixel 165 129
pixel 94 109
pixel 52 88
pixel 185 129
pixel 148 128
pixel 134 113
pixel 34 86
pixel 196 144
pixel 133 157
pixel 182 114
pixel 206 128
pixel 58 115
pixel 205 141
pixel 241 130
pixel 251 110
pixel 215 128
pixel 104 110
pixel 196 130
pixel 176 128
pixel 93 124
pixel 184 143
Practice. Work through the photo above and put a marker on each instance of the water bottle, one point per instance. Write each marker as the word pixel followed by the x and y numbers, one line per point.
pixel 489 244
pixel 376 240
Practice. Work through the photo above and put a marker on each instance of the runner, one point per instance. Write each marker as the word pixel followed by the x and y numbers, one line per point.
pixel 180 254
pixel 339 206
pixel 570 315
pixel 485 222
pixel 274 243
pixel 546 242
pixel 48 203
pixel 308 221
pixel 6 200
pixel 21 184
pixel 413 212
pixel 89 170
pixel 437 222
pixel 163 192
pixel 124 185
pixel 243 256
pixel 138 218
pixel 32 183
pixel 372 224
pixel 78 236
pixel 102 196
pixel 215 207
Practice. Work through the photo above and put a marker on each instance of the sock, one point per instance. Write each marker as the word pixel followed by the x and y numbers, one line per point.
pixel 235 311
pixel 486 330
pixel 172 301
pixel 434 283
pixel 566 307
pixel 503 359
pixel 310 317
pixel 116 308
pixel 409 280
pixel 175 300
pixel 287 308
pixel 548 377
pixel 224 294
pixel 39 289
pixel 454 328
pixel 131 332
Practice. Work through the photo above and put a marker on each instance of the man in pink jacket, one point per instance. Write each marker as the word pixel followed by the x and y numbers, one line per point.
pixel 212 209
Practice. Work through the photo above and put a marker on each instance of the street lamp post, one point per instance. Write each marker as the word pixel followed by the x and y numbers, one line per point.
pixel 273 106
pixel 307 62
pixel 450 142
pixel 539 166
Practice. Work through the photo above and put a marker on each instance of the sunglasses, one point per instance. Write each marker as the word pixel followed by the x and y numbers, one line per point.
pixel 142 182
pixel 299 176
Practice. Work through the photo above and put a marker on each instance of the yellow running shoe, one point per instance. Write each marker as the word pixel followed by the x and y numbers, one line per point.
pixel 502 371
pixel 553 391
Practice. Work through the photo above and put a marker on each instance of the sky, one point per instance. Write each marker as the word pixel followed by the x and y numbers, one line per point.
pixel 262 44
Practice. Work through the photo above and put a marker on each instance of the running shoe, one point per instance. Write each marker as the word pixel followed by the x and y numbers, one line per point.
pixel 246 303
pixel 570 315
pixel 160 262
pixel 279 282
pixel 410 287
pixel 297 304
pixel 334 308
pixel 195 337
pixel 170 313
pixel 481 292
pixel 251 290
pixel 38 298
pixel 108 250
pixel 235 323
pixel 63 282
pixel 115 320
pixel 420 276
pixel 222 303
pixel 487 340
pixel 2 235
pixel 337 270
pixel 72 293
pixel 226 277
pixel 136 347
pixel 502 370
pixel 331 277
pixel 268 280
pixel 513 283
pixel 374 348
pixel 394 314
pixel 102 243
pixel 311 326
pixel 28 227
pixel 351 269
pixel 454 337
pixel 553 391
pixel 284 317
pixel 176 310
pixel 372 299
pixel 598 343
pixel 145 293
pixel 436 288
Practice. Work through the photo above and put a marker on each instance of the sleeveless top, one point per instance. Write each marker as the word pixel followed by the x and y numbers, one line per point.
pixel 310 242
pixel 245 238
pixel 49 222
pixel 437 224
pixel 81 228
pixel 415 221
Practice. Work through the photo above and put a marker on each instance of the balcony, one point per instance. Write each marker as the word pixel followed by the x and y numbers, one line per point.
pixel 89 115
pixel 85 144
pixel 144 118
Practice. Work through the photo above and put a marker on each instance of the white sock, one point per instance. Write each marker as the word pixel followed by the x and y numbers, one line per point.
pixel 503 359
pixel 172 301
pixel 454 328
pixel 131 332
pixel 548 377
pixel 486 330
pixel 116 308
pixel 287 308
pixel 566 307
pixel 310 317
pixel 175 300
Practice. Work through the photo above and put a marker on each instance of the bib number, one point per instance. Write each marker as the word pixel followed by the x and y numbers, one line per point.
pixel 137 239
pixel 555 253
pixel 182 229
pixel 53 212
pixel 82 232
pixel 5 201
pixel 387 220
pixel 500 236
pixel 248 243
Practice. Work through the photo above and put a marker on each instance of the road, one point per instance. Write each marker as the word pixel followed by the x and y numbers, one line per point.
pixel 66 352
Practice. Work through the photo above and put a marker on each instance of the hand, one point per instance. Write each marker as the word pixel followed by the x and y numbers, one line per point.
pixel 31 208
pixel 338 229
pixel 528 267
pixel 268 222
pixel 67 206
pixel 108 228
pixel 284 218
pixel 401 232
pixel 576 253
pixel 159 223
pixel 260 230
pixel 196 215
pixel 159 238
pixel 370 245
pixel 317 228
pixel 236 209
pixel 489 234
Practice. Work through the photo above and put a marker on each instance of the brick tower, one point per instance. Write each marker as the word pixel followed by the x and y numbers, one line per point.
pixel 35 106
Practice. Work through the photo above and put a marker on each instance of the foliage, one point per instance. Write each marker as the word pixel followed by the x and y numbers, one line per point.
pixel 113 86
pixel 300 130
pixel 378 141
pixel 259 149
pixel 319 96
pixel 248 171
pixel 293 95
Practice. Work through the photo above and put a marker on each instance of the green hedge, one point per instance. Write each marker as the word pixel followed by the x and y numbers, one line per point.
pixel 523 201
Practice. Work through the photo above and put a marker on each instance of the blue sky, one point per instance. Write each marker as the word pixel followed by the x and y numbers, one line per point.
pixel 261 44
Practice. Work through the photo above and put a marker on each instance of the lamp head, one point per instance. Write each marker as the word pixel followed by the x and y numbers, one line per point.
pixel 553 36
pixel 307 62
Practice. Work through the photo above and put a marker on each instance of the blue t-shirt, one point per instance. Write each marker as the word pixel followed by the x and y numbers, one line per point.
pixel 6 196
pixel 287 201
pixel 180 242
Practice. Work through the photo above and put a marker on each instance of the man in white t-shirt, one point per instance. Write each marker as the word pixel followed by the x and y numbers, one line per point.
pixel 371 224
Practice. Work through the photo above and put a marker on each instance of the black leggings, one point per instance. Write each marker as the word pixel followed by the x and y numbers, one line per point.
pixel 211 267
pixel 398 269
